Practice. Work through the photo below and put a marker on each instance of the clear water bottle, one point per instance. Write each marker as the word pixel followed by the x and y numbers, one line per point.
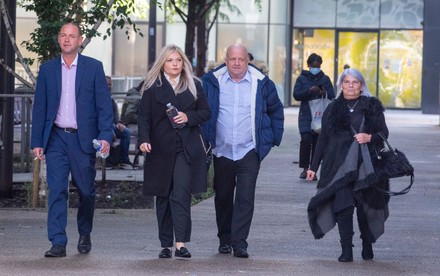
pixel 171 113
pixel 97 146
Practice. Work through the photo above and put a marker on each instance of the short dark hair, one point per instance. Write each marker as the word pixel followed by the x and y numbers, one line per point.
pixel 74 23
pixel 314 57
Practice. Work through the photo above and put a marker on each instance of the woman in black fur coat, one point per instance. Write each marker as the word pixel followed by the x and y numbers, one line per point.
pixel 350 128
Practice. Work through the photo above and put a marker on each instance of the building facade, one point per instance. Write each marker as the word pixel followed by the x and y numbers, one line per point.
pixel 387 40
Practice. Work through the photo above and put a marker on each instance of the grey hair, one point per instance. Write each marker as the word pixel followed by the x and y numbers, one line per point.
pixel 357 75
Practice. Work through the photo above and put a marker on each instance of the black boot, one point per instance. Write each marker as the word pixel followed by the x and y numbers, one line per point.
pixel 347 254
pixel 367 250
pixel 366 236
pixel 345 227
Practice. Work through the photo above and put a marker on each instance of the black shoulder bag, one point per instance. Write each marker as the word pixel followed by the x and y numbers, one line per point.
pixel 392 163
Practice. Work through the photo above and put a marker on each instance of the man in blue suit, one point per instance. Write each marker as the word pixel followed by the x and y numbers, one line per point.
pixel 72 106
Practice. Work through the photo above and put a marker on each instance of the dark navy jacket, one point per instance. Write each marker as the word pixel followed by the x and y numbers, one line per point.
pixel 267 115
pixel 301 93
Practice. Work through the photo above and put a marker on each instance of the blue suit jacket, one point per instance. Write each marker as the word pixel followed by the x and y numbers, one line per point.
pixel 93 103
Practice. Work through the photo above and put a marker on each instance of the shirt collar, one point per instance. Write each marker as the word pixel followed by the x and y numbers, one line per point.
pixel 177 79
pixel 75 61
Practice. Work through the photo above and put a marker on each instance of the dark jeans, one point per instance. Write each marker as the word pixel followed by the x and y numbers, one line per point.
pixel 234 217
pixel 125 143
pixel 307 149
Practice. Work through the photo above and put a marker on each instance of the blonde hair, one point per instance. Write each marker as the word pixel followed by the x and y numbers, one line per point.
pixel 154 75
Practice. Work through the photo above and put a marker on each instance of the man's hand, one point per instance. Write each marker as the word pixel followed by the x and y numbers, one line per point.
pixel 38 153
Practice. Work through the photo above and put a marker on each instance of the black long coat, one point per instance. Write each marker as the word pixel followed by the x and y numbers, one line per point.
pixel 155 128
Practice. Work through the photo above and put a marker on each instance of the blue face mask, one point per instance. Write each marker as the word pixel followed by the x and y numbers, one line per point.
pixel 314 70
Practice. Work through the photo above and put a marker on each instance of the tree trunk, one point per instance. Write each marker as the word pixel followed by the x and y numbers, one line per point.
pixel 201 48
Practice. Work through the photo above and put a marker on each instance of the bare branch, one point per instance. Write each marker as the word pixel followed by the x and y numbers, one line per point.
pixel 14 45
pixel 179 11
pixel 95 27
pixel 9 70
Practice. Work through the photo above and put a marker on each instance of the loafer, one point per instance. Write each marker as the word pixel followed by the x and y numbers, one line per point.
pixel 56 251
pixel 165 253
pixel 241 253
pixel 225 248
pixel 84 244
pixel 182 253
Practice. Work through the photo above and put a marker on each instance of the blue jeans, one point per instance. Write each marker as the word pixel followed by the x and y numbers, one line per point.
pixel 125 143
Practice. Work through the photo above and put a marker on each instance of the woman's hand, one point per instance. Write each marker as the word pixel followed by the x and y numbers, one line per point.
pixel 362 138
pixel 181 118
pixel 310 175
pixel 145 147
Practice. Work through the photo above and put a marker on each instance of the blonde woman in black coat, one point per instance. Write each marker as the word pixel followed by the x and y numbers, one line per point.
pixel 175 162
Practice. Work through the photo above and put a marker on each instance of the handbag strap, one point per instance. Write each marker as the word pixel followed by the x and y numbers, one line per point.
pixel 402 192
pixel 385 141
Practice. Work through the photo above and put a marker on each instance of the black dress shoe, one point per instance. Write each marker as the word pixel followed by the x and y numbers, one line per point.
pixel 165 253
pixel 225 248
pixel 303 175
pixel 84 244
pixel 182 253
pixel 56 251
pixel 241 253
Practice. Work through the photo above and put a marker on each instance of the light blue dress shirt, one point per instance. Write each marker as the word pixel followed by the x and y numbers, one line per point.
pixel 234 126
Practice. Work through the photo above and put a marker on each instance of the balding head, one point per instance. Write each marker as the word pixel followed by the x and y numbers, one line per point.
pixel 237 61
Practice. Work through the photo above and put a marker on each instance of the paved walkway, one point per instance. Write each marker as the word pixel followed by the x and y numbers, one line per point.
pixel 280 243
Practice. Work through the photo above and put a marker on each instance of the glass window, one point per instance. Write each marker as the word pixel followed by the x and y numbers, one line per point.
pixel 254 37
pixel 25 26
pixel 308 41
pixel 249 12
pixel 175 34
pixel 358 14
pixel 400 68
pixel 359 51
pixel 401 14
pixel 277 58
pixel 317 13
pixel 130 56
pixel 278 11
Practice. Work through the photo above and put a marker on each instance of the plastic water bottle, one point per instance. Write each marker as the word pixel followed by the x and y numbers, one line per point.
pixel 171 113
pixel 97 146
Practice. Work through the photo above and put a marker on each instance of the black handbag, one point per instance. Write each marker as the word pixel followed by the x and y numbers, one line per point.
pixel 392 163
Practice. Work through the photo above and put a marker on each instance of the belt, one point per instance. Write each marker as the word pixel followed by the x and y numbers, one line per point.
pixel 68 129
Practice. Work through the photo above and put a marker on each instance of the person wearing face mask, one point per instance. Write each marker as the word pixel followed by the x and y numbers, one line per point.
pixel 310 85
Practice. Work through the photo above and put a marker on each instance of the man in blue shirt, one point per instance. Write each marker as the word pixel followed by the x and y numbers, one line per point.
pixel 247 120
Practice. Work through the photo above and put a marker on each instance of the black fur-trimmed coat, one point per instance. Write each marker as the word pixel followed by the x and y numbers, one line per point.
pixel 335 141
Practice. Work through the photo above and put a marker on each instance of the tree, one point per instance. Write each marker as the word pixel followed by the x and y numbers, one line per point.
pixel 52 14
pixel 199 19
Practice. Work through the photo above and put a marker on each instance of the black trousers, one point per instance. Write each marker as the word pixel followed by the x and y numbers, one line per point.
pixel 234 217
pixel 174 212
pixel 307 148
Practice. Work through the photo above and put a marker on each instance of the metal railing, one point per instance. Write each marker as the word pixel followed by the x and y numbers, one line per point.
pixel 22 129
